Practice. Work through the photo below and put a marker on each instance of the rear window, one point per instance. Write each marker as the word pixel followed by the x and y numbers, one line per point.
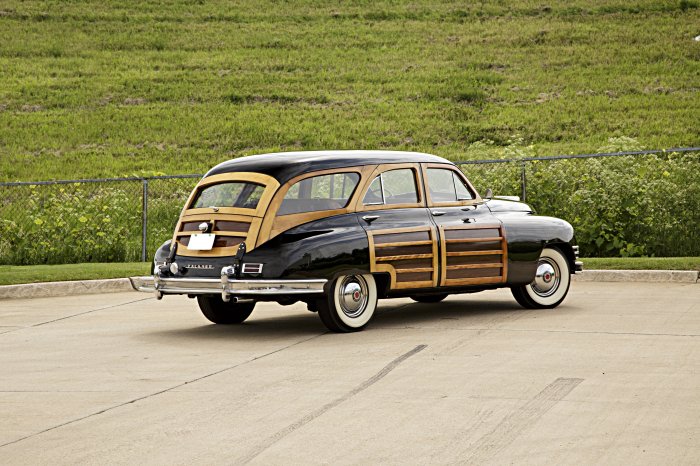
pixel 323 192
pixel 229 194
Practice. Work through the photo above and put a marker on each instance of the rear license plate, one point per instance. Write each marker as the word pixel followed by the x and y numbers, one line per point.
pixel 201 242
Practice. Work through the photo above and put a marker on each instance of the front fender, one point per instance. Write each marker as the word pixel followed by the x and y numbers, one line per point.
pixel 527 236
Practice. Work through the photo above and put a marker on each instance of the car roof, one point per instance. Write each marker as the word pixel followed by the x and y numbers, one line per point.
pixel 286 165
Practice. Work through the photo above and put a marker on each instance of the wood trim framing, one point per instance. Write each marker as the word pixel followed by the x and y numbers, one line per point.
pixel 380 264
pixel 445 166
pixel 477 280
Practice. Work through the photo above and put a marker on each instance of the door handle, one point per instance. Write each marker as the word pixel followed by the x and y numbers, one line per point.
pixel 468 208
pixel 468 220
pixel 370 218
pixel 437 213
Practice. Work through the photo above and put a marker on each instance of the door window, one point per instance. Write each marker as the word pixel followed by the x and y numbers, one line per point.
pixel 393 187
pixel 446 186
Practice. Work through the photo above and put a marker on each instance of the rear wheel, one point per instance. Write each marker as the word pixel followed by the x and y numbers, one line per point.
pixel 429 298
pixel 349 304
pixel 220 312
pixel 551 283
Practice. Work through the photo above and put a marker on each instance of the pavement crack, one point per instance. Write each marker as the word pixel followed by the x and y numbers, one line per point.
pixel 160 392
pixel 279 435
pixel 88 312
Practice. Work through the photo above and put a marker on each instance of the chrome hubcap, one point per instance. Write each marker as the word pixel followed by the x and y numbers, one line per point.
pixel 547 278
pixel 352 295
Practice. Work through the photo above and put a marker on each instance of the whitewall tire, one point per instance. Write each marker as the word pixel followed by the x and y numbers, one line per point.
pixel 551 283
pixel 350 303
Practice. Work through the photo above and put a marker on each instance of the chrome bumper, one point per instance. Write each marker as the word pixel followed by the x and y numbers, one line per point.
pixel 226 286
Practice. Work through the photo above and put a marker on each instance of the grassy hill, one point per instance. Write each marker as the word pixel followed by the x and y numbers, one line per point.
pixel 116 88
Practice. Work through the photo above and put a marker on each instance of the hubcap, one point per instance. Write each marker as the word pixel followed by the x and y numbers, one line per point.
pixel 547 278
pixel 352 295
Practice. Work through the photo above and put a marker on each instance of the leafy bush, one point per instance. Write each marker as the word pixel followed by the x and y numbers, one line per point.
pixel 70 223
pixel 627 206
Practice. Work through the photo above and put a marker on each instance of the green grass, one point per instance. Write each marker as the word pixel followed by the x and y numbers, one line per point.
pixel 116 88
pixel 10 274
pixel 641 263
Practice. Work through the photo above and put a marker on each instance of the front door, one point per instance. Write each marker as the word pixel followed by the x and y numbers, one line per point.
pixel 473 248
pixel 402 238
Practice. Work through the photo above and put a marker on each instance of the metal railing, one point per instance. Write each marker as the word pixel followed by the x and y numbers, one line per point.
pixel 634 203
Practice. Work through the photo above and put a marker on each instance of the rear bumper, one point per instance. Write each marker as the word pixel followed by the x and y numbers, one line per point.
pixel 226 286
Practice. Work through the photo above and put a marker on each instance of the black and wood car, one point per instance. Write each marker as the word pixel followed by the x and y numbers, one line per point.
pixel 339 230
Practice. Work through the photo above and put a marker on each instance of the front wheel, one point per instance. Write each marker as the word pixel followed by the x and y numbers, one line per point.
pixel 551 283
pixel 349 304
pixel 221 312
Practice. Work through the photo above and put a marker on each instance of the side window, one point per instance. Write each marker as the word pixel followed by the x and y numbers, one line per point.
pixel 463 191
pixel 323 192
pixel 393 187
pixel 441 185
pixel 446 186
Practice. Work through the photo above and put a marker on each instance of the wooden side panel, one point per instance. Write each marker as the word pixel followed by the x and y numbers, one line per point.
pixel 409 255
pixel 473 255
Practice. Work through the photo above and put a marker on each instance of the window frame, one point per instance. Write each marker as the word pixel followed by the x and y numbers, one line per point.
pixel 456 172
pixel 417 178
pixel 267 181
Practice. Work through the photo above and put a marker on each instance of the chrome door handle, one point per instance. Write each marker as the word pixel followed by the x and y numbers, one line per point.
pixel 437 213
pixel 370 218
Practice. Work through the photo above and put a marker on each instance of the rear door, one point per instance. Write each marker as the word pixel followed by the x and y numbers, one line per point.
pixel 472 243
pixel 402 238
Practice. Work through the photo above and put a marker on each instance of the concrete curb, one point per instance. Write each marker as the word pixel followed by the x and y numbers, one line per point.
pixel 56 289
pixel 115 285
pixel 656 276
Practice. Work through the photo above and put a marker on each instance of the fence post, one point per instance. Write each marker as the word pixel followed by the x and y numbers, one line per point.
pixel 144 219
pixel 523 181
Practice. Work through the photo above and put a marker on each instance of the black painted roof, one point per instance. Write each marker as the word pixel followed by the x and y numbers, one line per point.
pixel 286 165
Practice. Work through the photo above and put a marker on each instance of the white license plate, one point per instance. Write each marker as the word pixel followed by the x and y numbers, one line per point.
pixel 201 242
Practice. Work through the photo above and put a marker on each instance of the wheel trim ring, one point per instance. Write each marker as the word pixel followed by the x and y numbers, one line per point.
pixel 352 305
pixel 549 287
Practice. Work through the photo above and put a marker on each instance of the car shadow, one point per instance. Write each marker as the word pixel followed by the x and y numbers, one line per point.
pixel 256 328
pixel 468 311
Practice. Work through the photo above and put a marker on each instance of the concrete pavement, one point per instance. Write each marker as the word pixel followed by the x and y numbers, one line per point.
pixel 611 376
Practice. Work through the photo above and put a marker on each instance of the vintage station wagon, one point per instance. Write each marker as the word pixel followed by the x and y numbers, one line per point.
pixel 339 230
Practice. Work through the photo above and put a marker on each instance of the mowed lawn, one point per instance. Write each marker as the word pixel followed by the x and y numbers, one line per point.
pixel 110 88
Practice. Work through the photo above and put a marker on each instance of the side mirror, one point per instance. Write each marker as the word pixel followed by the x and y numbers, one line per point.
pixel 489 194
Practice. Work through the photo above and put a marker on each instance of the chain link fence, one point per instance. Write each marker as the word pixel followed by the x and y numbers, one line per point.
pixel 97 220
pixel 626 203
